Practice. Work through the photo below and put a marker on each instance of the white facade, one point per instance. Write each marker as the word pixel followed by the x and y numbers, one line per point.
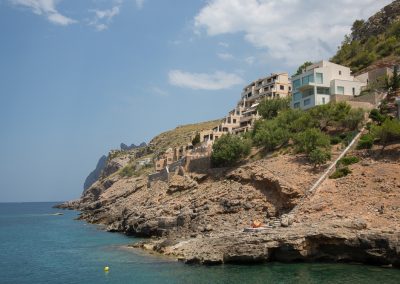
pixel 320 81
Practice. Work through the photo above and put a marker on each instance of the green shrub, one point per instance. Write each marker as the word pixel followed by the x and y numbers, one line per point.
pixel 389 131
pixel 229 149
pixel 376 116
pixel 335 140
pixel 340 172
pixel 353 119
pixel 269 134
pixel 366 142
pixel 348 160
pixel 269 108
pixel 127 171
pixel 348 137
pixel 311 139
pixel 319 156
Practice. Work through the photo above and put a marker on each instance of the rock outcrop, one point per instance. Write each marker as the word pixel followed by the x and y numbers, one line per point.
pixel 95 174
pixel 205 218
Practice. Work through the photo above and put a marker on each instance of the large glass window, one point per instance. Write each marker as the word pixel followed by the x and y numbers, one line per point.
pixel 296 84
pixel 308 79
pixel 308 93
pixel 296 96
pixel 319 78
pixel 307 102
pixel 340 90
pixel 296 105
pixel 305 80
pixel 322 91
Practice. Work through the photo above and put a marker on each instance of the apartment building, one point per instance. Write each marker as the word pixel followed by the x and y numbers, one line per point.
pixel 242 117
pixel 277 85
pixel 318 83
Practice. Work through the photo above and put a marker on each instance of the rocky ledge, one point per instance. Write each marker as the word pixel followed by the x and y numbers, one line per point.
pixel 345 241
pixel 205 217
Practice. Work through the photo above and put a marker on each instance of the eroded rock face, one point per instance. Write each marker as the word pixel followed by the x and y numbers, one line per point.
pixel 201 219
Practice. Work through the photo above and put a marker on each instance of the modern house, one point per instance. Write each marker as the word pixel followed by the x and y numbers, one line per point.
pixel 323 82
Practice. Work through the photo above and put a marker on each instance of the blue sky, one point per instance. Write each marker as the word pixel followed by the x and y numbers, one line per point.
pixel 80 77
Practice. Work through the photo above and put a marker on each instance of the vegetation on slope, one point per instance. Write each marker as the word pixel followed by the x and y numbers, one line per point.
pixel 309 132
pixel 180 136
pixel 376 39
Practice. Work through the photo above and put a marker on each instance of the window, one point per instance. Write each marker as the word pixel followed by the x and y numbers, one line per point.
pixel 234 120
pixel 229 119
pixel 354 91
pixel 308 93
pixel 296 105
pixel 323 101
pixel 340 72
pixel 281 87
pixel 307 79
pixel 296 84
pixel 322 91
pixel 340 90
pixel 238 112
pixel 319 78
pixel 307 102
pixel 296 96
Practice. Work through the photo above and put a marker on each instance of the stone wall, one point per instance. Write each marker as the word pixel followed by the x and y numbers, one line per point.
pixel 198 165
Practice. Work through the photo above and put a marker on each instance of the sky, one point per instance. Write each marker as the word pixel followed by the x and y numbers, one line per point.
pixel 77 78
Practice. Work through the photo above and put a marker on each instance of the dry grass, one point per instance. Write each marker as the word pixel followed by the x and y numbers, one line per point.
pixel 180 136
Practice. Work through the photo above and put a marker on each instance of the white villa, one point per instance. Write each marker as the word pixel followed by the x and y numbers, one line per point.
pixel 322 81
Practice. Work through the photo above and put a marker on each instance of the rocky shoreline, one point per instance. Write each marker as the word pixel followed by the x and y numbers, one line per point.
pixel 201 218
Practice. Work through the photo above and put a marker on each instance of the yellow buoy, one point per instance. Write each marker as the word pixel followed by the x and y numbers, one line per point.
pixel 106 269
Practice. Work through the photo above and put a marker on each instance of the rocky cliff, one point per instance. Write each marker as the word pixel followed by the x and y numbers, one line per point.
pixel 205 217
pixel 95 174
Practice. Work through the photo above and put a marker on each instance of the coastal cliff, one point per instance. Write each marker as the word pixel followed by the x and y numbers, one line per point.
pixel 202 217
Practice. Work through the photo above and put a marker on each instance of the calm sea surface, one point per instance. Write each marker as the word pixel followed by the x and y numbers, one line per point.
pixel 37 247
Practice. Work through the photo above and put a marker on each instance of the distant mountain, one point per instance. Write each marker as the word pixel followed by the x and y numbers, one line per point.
pixel 374 41
pixel 125 147
pixel 95 174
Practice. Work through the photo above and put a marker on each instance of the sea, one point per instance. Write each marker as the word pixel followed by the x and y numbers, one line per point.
pixel 37 246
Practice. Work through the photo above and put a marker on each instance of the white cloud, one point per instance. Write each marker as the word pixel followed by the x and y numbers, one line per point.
pixel 158 91
pixel 103 18
pixel 139 3
pixel 223 44
pixel 204 81
pixel 250 60
pixel 46 8
pixel 290 30
pixel 225 56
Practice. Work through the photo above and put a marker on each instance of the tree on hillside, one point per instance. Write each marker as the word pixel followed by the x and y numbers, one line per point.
pixel 270 134
pixel 269 108
pixel 395 79
pixel 311 139
pixel 196 139
pixel 303 67
pixel 356 29
pixel 229 149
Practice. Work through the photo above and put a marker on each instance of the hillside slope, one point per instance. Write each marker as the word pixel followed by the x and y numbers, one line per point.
pixel 375 41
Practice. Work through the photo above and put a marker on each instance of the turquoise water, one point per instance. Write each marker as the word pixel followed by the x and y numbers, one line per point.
pixel 36 247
